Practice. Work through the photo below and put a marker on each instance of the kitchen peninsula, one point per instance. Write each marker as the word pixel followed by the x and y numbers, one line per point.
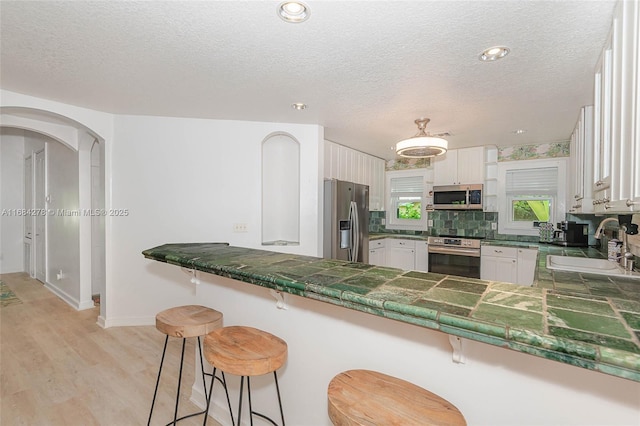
pixel 469 308
pixel 542 322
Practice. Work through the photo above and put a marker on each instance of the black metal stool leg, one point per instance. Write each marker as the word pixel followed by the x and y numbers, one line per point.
pixel 275 377
pixel 155 392
pixel 250 405
pixel 175 414
pixel 206 410
pixel 223 382
pixel 204 383
pixel 262 416
pixel 240 403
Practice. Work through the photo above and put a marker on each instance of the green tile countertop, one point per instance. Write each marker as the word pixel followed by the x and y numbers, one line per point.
pixel 587 321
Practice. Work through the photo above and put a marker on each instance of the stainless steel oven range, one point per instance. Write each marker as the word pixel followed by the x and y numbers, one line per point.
pixel 452 255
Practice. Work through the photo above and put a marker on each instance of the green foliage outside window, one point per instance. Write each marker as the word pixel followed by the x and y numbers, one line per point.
pixel 531 210
pixel 411 210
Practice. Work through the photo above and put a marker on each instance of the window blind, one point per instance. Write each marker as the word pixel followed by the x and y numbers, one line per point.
pixel 407 185
pixel 539 181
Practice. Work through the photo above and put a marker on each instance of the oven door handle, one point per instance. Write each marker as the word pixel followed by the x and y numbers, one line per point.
pixel 454 251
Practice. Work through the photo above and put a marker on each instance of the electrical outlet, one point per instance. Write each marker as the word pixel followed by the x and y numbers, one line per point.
pixel 240 227
pixel 430 222
pixel 494 226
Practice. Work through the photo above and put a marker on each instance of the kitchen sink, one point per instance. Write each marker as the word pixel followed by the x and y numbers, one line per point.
pixel 588 266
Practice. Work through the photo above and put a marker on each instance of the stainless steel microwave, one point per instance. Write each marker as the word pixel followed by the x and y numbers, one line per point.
pixel 457 197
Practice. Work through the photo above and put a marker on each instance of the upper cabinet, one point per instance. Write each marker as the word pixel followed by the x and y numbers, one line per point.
pixel 490 192
pixel 459 166
pixel 350 165
pixel 616 119
pixel 581 172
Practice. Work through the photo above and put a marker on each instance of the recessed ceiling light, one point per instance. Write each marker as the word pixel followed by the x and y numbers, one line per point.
pixel 298 106
pixel 293 11
pixel 519 131
pixel 494 53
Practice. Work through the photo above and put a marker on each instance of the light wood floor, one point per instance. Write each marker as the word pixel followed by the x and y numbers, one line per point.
pixel 57 367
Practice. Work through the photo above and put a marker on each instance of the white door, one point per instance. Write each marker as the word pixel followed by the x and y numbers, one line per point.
pixel 28 220
pixel 40 206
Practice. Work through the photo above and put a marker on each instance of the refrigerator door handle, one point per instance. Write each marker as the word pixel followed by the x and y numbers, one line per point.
pixel 355 229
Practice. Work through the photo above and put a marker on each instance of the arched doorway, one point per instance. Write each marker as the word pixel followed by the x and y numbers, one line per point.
pixel 74 199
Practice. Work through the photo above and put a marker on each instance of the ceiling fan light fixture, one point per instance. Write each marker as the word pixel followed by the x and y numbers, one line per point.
pixel 293 11
pixel 422 145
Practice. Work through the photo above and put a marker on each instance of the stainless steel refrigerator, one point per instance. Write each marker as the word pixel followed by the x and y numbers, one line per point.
pixel 346 221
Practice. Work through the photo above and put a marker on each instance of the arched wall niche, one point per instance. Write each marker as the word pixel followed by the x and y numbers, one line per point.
pixel 280 189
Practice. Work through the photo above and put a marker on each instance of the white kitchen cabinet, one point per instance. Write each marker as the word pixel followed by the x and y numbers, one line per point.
pixel 508 264
pixel 377 255
pixel 616 119
pixel 343 163
pixel 527 263
pixel 581 172
pixel 499 264
pixel 422 257
pixel 400 253
pixel 459 166
pixel 602 122
pixel 445 168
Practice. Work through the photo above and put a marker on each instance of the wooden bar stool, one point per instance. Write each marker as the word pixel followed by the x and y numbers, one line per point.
pixel 246 352
pixel 363 397
pixel 184 322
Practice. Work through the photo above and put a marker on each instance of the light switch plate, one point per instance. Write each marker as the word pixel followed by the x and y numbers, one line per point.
pixel 430 222
pixel 494 226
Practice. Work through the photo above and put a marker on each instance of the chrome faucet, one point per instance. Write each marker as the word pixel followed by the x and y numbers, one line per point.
pixel 625 254
pixel 600 228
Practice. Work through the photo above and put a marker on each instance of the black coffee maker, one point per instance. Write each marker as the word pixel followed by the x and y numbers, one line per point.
pixel 572 234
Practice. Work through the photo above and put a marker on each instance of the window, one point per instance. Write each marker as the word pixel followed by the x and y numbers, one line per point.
pixel 406 200
pixel 530 191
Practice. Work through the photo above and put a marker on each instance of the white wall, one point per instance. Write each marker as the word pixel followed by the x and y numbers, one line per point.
pixel 186 180
pixel 11 197
pixel 495 387
pixel 63 230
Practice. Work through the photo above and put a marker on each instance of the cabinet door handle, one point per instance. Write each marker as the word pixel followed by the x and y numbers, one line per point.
pixel 497 251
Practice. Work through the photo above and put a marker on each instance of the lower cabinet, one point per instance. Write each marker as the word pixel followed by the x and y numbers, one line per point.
pixel 422 256
pixel 401 254
pixel 377 253
pixel 409 255
pixel 527 264
pixel 508 264
pixel 499 264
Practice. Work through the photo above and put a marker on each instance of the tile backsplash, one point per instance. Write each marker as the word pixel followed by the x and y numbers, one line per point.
pixel 478 224
pixel 463 223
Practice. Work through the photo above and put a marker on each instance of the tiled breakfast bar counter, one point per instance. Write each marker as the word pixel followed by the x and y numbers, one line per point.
pixel 590 321
pixel 526 356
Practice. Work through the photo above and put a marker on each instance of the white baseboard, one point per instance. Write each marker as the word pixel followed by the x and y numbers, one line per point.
pixel 86 305
pixel 72 301
pixel 101 321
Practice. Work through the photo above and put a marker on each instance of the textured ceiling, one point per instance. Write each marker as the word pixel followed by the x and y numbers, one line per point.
pixel 366 69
